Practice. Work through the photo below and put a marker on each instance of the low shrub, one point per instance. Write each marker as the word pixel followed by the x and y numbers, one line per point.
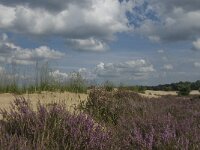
pixel 184 90
pixel 120 120
pixel 141 123
pixel 107 106
pixel 50 127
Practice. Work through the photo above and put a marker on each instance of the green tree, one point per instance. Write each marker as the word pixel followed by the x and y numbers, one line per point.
pixel 184 90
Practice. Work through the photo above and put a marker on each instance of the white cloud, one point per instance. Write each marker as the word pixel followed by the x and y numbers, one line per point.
pixel 197 64
pixel 86 22
pixel 46 52
pixel 168 67
pixel 66 76
pixel 160 51
pixel 87 74
pixel 179 20
pixel 154 38
pixel 90 44
pixel 11 53
pixel 164 58
pixel 2 70
pixel 133 68
pixel 196 44
pixel 59 76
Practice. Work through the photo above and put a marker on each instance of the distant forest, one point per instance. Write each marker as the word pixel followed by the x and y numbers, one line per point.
pixel 175 86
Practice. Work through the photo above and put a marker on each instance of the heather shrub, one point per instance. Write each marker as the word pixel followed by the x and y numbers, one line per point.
pixel 142 123
pixel 50 127
pixel 100 106
pixel 166 123
pixel 107 106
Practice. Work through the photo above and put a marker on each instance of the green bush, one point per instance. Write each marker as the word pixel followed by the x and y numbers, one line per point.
pixel 108 107
pixel 184 90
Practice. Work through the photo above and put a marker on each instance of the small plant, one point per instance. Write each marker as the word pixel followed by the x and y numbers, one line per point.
pixel 109 86
pixel 77 84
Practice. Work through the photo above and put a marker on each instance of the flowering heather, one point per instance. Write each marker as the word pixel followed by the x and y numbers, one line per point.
pixel 117 120
pixel 141 123
pixel 50 127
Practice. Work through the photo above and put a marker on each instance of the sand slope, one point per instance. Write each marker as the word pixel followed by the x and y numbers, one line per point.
pixel 155 94
pixel 70 99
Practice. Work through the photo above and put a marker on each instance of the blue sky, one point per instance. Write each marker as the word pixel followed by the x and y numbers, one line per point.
pixel 146 42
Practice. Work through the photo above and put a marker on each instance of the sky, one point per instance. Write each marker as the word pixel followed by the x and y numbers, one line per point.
pixel 143 42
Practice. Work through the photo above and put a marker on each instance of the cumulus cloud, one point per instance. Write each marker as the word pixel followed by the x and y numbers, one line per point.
pixel 133 68
pixel 160 51
pixel 11 53
pixel 197 64
pixel 59 76
pixel 196 44
pixel 168 67
pixel 66 76
pixel 51 5
pixel 90 44
pixel 86 22
pixel 87 74
pixel 179 20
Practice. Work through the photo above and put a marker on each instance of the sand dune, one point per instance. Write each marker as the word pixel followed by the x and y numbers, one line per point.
pixel 154 94
pixel 70 99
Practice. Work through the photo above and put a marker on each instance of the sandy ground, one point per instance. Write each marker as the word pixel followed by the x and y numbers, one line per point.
pixel 155 94
pixel 70 99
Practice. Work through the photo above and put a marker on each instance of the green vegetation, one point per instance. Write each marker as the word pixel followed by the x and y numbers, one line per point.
pixel 108 120
pixel 108 86
pixel 43 80
pixel 75 85
pixel 136 122
pixel 49 128
pixel 184 90
pixel 175 86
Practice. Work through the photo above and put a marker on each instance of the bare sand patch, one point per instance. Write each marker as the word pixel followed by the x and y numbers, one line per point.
pixel 70 99
pixel 156 94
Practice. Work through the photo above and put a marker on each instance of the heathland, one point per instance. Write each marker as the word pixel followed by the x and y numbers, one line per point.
pixel 76 115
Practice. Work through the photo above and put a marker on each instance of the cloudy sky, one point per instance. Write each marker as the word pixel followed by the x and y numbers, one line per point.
pixel 145 42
